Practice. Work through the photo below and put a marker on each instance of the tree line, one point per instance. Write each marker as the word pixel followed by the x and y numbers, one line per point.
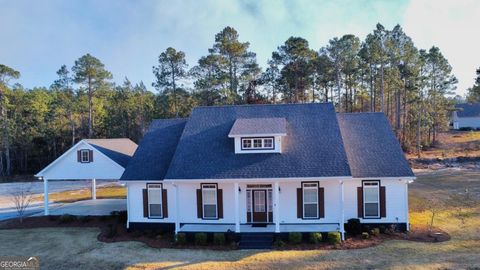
pixel 385 72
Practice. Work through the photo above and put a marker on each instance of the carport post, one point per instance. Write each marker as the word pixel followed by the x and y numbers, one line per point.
pixel 94 189
pixel 45 196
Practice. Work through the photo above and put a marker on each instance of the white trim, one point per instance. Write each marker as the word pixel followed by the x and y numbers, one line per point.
pixel 314 187
pixel 377 186
pixel 276 206
pixel 258 135
pixel 406 206
pixel 262 143
pixel 45 197
pixel 153 188
pixel 237 205
pixel 269 180
pixel 128 206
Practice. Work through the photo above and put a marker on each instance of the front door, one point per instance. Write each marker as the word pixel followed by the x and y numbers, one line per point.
pixel 259 206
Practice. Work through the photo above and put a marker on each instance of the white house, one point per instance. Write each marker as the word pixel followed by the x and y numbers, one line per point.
pixel 466 116
pixel 268 168
pixel 89 159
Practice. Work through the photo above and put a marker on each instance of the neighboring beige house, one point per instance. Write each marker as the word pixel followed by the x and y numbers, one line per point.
pixel 466 116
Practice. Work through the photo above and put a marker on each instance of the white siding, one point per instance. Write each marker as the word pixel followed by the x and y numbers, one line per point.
pixel 67 166
pixel 395 202
pixel 394 197
pixel 135 200
pixel 466 122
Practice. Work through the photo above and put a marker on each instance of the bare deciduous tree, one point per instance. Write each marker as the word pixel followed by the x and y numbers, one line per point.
pixel 22 197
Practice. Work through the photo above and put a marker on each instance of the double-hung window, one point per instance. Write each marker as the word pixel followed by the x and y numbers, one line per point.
pixel 85 155
pixel 371 199
pixel 257 143
pixel 310 200
pixel 209 201
pixel 155 200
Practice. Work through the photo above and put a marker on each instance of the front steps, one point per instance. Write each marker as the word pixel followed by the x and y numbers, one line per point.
pixel 256 240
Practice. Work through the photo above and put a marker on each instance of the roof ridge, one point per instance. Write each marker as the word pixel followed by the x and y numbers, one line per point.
pixel 265 104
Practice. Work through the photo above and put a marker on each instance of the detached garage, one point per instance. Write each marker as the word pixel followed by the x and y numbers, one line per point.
pixel 89 159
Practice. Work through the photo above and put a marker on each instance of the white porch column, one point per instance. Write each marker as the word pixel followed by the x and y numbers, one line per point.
pixel 406 206
pixel 276 206
pixel 45 196
pixel 94 189
pixel 128 205
pixel 237 205
pixel 342 212
pixel 177 217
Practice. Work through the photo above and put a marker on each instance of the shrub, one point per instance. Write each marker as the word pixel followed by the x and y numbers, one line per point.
pixel 365 235
pixel 219 239
pixel 122 217
pixel 353 226
pixel 334 238
pixel 85 219
pixel 111 230
pixel 200 239
pixel 137 233
pixel 315 238
pixel 375 232
pixel 66 218
pixel 279 243
pixel 181 238
pixel 294 238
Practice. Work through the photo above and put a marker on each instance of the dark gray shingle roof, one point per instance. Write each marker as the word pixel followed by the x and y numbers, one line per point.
pixel 468 110
pixel 371 146
pixel 153 156
pixel 119 150
pixel 313 147
pixel 259 126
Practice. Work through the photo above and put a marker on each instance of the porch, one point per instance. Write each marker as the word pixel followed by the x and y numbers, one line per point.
pixel 269 228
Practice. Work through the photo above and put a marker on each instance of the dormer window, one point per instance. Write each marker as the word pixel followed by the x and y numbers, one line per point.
pixel 258 135
pixel 257 143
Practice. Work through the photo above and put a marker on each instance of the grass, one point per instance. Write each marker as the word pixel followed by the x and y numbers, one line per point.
pixel 109 192
pixel 71 248
pixel 453 144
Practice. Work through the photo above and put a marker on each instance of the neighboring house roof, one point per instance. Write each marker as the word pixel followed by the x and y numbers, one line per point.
pixel 372 148
pixel 313 147
pixel 119 150
pixel 468 110
pixel 153 156
pixel 259 126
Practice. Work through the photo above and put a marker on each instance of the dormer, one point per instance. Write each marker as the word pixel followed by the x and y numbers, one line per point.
pixel 258 135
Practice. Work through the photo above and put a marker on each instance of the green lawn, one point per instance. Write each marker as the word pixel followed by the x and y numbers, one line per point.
pixel 71 248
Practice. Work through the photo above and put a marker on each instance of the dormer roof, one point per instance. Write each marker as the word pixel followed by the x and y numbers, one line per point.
pixel 252 127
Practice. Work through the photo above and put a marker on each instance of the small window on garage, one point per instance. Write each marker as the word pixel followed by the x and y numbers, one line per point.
pixel 85 156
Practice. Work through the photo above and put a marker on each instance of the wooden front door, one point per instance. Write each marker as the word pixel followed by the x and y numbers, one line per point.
pixel 259 204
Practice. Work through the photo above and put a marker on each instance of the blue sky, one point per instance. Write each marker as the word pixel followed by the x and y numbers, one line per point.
pixel 37 37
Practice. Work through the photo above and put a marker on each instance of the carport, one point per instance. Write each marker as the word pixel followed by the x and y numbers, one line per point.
pixel 89 159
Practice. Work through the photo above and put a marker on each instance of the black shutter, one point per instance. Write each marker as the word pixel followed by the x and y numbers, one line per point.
pixel 145 202
pixel 383 206
pixel 220 203
pixel 299 203
pixel 79 156
pixel 164 203
pixel 321 202
pixel 360 201
pixel 199 204
pixel 90 155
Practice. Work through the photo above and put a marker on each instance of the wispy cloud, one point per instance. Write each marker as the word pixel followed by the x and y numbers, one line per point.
pixel 128 36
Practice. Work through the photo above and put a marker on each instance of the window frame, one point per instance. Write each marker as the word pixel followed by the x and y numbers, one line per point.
pixel 161 199
pixel 203 199
pixel 367 184
pixel 316 188
pixel 87 151
pixel 251 140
